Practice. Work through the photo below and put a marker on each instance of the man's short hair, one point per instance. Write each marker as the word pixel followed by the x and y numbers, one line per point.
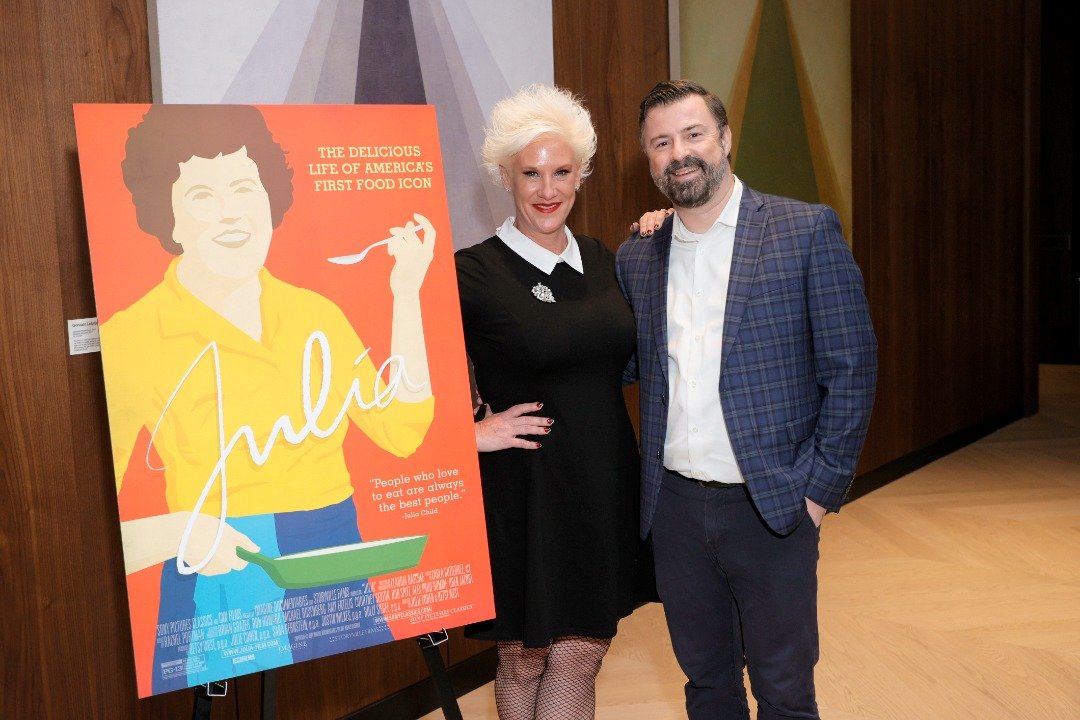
pixel 667 92
pixel 171 134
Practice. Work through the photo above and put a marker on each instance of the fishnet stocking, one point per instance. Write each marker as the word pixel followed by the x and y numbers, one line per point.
pixel 553 683
pixel 517 680
pixel 568 686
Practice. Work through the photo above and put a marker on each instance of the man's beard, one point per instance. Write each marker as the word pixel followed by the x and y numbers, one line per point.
pixel 691 193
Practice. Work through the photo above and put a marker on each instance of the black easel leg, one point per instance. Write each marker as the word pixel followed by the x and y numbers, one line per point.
pixel 429 644
pixel 204 696
pixel 201 710
pixel 269 694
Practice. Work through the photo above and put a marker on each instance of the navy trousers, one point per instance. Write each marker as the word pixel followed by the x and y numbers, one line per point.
pixel 736 594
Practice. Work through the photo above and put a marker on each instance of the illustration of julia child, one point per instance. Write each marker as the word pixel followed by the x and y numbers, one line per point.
pixel 246 385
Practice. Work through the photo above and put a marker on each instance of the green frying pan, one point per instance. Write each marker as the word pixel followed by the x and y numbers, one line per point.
pixel 344 563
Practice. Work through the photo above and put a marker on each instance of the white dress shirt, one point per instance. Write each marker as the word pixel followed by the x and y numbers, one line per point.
pixel 541 258
pixel 697 443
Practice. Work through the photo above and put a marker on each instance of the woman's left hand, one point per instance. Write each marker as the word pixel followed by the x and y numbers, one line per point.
pixel 502 430
pixel 651 221
pixel 412 256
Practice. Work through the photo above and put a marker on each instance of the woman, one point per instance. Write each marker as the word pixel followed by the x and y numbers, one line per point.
pixel 544 319
pixel 221 345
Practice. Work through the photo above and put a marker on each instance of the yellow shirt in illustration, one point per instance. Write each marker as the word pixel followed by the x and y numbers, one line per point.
pixel 148 348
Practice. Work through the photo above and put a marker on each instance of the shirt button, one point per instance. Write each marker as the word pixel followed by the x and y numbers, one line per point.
pixel 693 430
pixel 698 293
pixel 697 338
pixel 693 383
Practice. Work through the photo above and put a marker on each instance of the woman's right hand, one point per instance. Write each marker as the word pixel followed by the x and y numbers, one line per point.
pixel 651 221
pixel 502 430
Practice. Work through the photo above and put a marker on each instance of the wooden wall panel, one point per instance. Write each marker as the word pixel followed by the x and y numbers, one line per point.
pixel 888 226
pixel 65 639
pixel 611 54
pixel 941 131
pixel 69 622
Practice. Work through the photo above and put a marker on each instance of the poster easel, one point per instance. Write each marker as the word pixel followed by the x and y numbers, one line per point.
pixel 429 646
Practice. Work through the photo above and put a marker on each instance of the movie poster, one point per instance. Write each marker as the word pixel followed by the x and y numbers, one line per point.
pixel 288 397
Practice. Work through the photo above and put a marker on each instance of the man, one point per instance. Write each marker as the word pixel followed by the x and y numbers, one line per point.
pixel 757 363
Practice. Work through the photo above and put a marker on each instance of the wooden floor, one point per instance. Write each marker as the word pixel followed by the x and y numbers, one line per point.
pixel 951 593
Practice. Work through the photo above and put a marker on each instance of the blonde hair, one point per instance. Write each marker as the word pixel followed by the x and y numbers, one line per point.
pixel 533 111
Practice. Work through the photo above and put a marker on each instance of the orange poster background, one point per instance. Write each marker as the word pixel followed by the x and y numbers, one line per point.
pixel 127 262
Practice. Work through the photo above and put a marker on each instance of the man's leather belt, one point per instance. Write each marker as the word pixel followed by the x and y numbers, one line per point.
pixel 705 483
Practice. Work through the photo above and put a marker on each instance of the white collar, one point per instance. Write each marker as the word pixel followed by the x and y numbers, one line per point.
pixel 729 216
pixel 542 258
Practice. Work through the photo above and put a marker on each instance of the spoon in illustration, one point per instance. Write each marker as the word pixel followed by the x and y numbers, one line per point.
pixel 353 259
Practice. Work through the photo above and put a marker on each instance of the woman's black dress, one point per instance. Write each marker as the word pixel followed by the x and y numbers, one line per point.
pixel 562 520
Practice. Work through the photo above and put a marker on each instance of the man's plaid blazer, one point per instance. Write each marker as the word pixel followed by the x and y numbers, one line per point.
pixel 799 356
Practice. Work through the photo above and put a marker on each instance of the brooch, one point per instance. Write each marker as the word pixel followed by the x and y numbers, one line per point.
pixel 542 293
